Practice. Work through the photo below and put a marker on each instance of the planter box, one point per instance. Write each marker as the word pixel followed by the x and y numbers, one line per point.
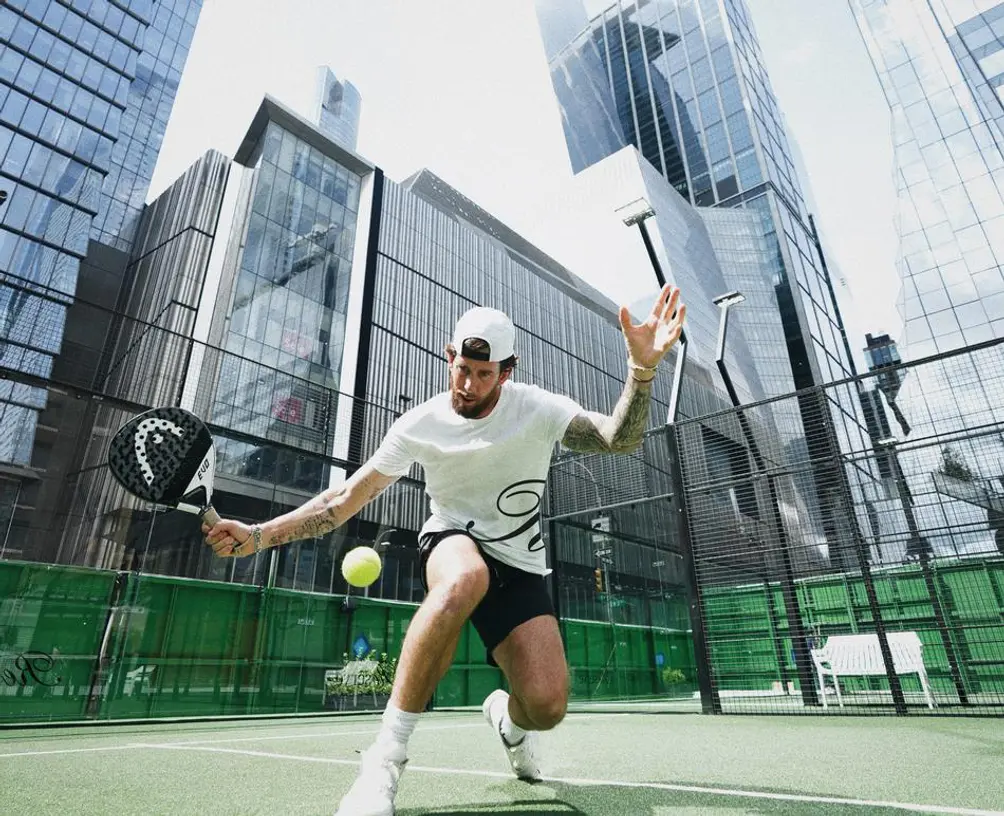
pixel 356 702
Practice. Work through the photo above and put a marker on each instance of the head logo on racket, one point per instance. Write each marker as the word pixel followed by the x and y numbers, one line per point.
pixel 166 455
pixel 150 430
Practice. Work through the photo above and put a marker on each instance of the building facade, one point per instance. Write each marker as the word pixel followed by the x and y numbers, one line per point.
pixel 941 66
pixel 85 92
pixel 609 516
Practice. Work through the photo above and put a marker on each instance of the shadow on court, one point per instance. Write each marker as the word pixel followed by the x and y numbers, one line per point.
pixel 601 800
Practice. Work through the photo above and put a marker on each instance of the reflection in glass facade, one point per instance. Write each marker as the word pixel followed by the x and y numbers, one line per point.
pixel 161 59
pixel 940 65
pixel 686 82
pixel 70 78
pixel 338 107
pixel 289 299
pixel 939 68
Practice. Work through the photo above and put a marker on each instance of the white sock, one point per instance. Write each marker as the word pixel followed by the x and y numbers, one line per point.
pixel 396 728
pixel 511 732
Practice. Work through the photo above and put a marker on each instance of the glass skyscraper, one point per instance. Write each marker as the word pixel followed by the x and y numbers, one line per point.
pixel 159 64
pixel 269 380
pixel 338 108
pixel 941 65
pixel 85 90
pixel 683 81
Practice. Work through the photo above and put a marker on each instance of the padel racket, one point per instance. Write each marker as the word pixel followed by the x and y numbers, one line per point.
pixel 167 456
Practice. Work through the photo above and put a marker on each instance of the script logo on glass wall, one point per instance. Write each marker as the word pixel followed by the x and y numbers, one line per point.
pixel 28 669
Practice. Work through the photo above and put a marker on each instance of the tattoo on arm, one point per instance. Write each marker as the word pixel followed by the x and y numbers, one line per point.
pixel 620 433
pixel 329 510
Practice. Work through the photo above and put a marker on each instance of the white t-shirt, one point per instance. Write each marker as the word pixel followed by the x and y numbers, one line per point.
pixel 486 475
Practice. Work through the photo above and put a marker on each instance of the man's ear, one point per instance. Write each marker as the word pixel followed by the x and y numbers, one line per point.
pixel 451 353
pixel 505 375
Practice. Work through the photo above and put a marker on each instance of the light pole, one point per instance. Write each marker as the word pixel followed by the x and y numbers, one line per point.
pixel 637 212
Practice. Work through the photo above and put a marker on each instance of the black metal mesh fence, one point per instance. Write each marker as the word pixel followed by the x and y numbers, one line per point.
pixel 751 559
pixel 812 574
pixel 898 604
pixel 283 433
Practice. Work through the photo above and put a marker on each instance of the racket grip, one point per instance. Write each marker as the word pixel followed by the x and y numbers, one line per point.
pixel 210 516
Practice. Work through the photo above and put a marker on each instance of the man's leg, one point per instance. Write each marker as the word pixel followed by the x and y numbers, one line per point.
pixel 533 659
pixel 457 578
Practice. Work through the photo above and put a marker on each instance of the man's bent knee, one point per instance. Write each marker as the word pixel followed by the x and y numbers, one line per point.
pixel 546 710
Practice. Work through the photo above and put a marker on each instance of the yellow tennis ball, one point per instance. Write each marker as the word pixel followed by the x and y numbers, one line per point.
pixel 361 566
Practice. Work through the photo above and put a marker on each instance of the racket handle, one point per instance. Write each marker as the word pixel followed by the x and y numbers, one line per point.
pixel 210 516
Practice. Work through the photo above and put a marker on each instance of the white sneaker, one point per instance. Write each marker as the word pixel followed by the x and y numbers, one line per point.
pixel 523 755
pixel 373 792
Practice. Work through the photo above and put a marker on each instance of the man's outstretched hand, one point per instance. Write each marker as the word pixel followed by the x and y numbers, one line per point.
pixel 648 342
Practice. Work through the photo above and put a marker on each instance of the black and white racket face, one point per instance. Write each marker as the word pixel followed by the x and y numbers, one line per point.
pixel 163 455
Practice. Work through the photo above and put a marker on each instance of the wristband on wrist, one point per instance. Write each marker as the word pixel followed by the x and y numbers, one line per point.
pixel 256 537
pixel 635 368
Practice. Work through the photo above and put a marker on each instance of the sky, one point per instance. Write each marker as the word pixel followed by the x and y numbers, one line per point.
pixel 461 87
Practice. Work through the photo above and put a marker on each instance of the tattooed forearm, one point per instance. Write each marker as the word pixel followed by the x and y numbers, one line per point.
pixel 327 511
pixel 620 433
pixel 314 519
pixel 630 416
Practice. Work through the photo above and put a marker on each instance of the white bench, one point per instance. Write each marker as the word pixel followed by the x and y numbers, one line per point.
pixel 860 656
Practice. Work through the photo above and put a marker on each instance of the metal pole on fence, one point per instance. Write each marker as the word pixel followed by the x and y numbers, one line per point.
pixel 923 550
pixel 803 661
pixel 710 700
pixel 636 213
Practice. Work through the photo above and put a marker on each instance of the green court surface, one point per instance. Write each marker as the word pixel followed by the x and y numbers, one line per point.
pixel 597 763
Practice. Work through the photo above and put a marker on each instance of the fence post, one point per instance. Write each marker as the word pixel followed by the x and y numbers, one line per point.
pixel 710 701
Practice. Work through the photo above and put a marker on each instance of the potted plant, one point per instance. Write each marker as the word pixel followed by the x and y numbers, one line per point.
pixel 363 684
pixel 675 681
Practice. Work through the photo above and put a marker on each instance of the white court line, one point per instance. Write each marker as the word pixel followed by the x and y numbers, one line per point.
pixel 68 751
pixel 298 735
pixel 785 797
pixel 304 734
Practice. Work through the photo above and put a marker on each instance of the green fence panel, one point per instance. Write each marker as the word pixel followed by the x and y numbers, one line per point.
pixel 304 636
pixel 52 620
pixel 182 648
pixel 470 678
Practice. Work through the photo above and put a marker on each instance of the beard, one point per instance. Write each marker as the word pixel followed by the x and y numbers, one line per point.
pixel 472 410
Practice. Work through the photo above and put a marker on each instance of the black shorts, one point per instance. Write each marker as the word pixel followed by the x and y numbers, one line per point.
pixel 514 596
